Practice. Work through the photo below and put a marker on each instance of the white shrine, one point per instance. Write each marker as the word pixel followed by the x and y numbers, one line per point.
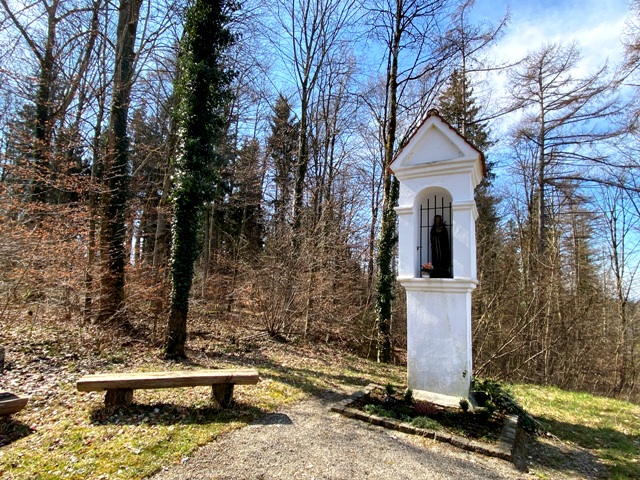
pixel 438 171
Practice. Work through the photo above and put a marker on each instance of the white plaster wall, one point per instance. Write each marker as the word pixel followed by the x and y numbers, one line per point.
pixel 438 146
pixel 462 231
pixel 407 266
pixel 464 245
pixel 458 185
pixel 439 341
pixel 439 357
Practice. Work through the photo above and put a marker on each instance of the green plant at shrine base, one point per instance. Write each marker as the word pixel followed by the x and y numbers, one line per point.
pixel 408 396
pixel 491 395
pixel 389 389
pixel 423 414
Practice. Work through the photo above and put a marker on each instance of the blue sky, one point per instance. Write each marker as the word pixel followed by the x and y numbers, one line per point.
pixel 596 25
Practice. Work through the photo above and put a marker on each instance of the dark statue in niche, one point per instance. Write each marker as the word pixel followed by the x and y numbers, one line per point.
pixel 440 249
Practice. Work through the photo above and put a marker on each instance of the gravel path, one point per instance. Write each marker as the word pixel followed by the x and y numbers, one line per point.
pixel 306 441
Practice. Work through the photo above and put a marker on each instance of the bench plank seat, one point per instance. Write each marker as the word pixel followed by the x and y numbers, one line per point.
pixel 120 386
pixel 11 403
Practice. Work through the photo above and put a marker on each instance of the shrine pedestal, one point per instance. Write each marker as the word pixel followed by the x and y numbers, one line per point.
pixel 439 358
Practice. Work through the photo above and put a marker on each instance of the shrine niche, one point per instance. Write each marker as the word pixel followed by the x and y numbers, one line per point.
pixel 434 243
pixel 438 171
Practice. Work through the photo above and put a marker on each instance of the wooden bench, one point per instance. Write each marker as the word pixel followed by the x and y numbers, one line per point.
pixel 10 403
pixel 120 386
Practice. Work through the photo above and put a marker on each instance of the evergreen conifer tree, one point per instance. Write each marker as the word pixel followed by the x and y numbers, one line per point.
pixel 458 106
pixel 282 148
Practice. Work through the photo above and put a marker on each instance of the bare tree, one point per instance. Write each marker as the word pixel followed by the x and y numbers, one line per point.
pixel 314 29
pixel 116 165
pixel 563 118
pixel 620 222
pixel 407 30
pixel 62 56
pixel 466 44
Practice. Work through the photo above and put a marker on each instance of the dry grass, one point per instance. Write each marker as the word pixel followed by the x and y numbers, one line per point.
pixel 66 434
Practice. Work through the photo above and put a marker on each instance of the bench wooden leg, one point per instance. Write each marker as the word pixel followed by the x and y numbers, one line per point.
pixel 10 403
pixel 223 393
pixel 118 396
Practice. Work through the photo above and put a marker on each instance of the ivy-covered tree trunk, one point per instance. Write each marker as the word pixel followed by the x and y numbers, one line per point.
pixel 184 254
pixel 386 278
pixel 388 237
pixel 203 91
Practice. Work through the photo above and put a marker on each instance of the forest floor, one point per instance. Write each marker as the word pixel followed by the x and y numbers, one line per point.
pixel 66 434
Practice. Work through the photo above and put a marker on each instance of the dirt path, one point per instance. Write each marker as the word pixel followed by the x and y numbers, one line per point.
pixel 306 441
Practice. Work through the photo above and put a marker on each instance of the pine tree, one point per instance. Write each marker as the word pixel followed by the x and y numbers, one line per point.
pixel 282 146
pixel 248 196
pixel 458 106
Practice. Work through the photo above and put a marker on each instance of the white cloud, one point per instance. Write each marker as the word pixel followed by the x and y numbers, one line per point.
pixel 595 25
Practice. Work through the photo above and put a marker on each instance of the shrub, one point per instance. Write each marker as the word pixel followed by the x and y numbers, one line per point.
pixel 426 423
pixel 408 396
pixel 502 401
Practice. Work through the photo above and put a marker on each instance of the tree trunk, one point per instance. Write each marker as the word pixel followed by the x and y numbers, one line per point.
pixel 388 238
pixel 541 184
pixel 206 250
pixel 114 201
pixel 185 227
pixel 386 280
pixel 177 333
pixel 203 93
pixel 303 159
pixel 96 174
